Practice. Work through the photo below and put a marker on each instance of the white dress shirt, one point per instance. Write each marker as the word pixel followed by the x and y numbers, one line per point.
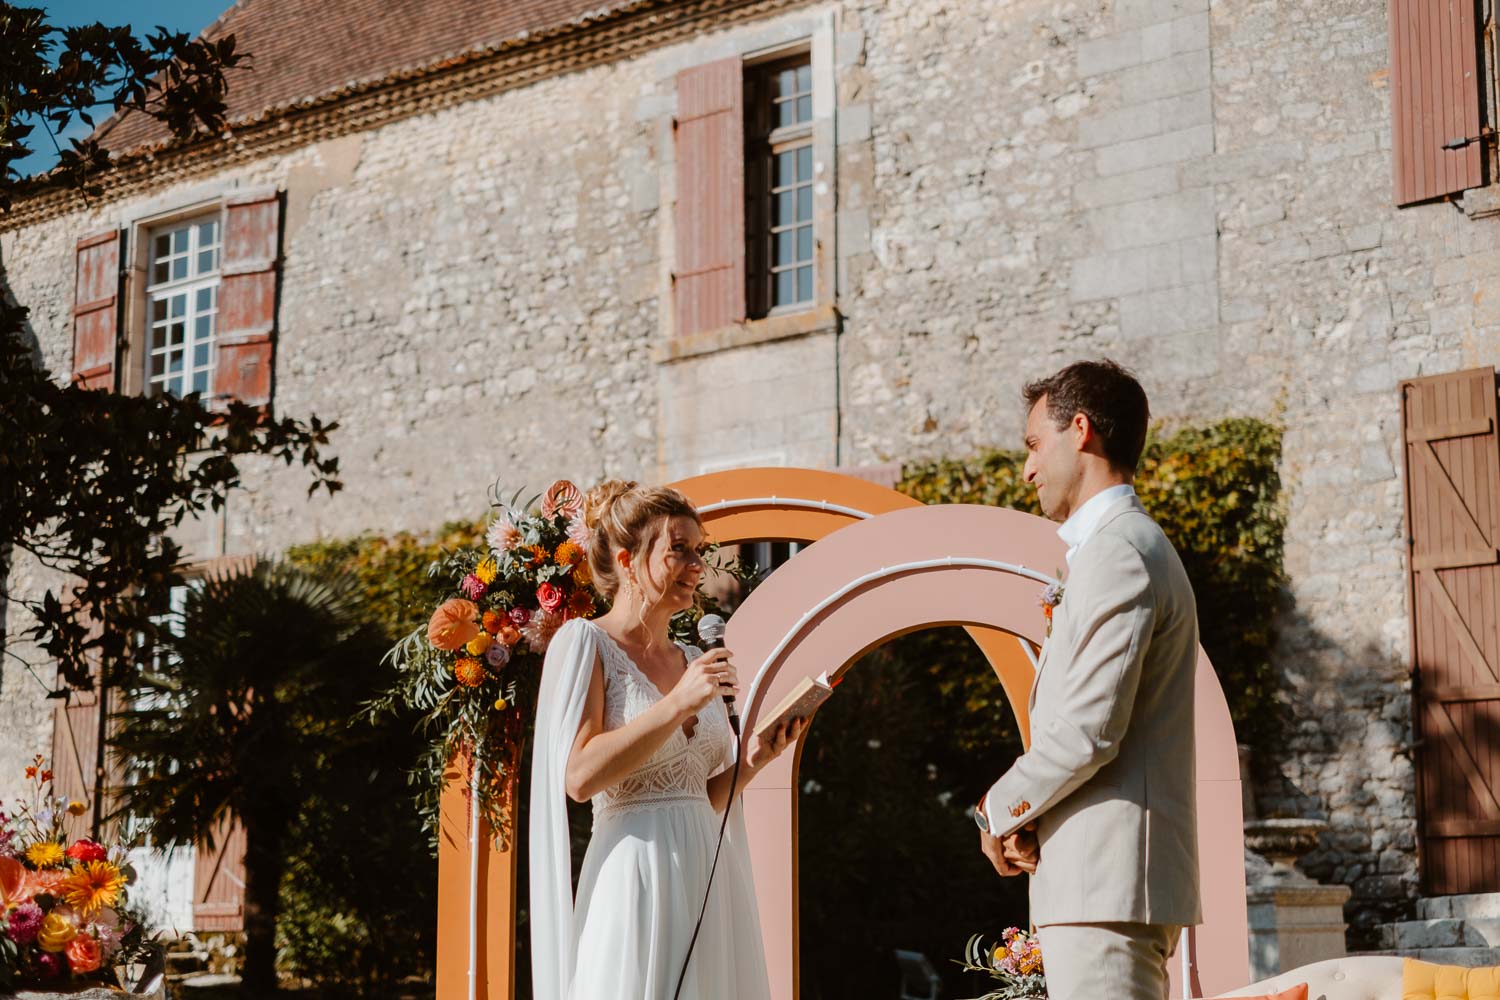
pixel 1083 522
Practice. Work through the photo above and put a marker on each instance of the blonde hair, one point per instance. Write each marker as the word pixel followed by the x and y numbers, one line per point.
pixel 626 515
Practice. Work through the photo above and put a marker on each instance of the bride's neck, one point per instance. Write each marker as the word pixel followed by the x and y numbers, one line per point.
pixel 649 630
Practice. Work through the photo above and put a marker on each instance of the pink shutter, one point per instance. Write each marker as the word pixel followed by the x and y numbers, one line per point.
pixel 247 298
pixel 219 880
pixel 96 310
pixel 709 279
pixel 1434 98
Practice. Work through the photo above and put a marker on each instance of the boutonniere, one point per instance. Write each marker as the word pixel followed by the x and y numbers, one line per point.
pixel 1051 597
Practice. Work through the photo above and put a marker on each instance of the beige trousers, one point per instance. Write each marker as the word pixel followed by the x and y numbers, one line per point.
pixel 1110 961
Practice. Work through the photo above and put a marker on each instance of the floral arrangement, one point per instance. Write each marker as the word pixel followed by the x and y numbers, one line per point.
pixel 472 672
pixel 64 913
pixel 1015 963
pixel 479 658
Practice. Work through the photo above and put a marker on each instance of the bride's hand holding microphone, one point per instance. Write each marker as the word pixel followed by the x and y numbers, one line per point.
pixel 714 675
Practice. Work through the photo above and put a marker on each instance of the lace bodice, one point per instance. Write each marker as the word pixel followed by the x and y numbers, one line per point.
pixel 680 768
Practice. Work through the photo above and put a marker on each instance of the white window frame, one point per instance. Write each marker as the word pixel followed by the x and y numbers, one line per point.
pixel 188 290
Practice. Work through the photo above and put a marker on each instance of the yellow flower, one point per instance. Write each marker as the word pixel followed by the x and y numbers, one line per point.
pixel 582 575
pixel 76 808
pixel 92 886
pixel 500 704
pixel 477 645
pixel 487 570
pixel 45 854
pixel 57 930
pixel 568 554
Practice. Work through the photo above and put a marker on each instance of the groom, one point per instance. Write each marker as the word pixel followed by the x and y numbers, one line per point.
pixel 1108 782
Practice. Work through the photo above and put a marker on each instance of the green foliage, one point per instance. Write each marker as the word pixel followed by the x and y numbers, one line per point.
pixel 1216 492
pixel 49 76
pixel 91 482
pixel 247 715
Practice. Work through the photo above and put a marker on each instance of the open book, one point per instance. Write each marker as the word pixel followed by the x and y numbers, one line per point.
pixel 800 703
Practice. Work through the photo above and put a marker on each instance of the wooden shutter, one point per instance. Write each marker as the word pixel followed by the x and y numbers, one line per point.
pixel 96 313
pixel 1453 524
pixel 247 298
pixel 1434 98
pixel 219 880
pixel 75 755
pixel 709 277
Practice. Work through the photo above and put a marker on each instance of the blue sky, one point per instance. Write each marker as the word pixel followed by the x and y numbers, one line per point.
pixel 191 16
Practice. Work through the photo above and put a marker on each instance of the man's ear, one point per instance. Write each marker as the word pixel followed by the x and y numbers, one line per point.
pixel 1082 430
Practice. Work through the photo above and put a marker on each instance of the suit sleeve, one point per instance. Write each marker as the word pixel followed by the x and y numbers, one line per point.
pixel 1113 608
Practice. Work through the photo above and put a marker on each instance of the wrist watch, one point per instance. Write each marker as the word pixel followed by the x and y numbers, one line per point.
pixel 981 821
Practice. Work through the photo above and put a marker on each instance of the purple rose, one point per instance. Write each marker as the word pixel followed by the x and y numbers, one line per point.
pixel 25 921
pixel 498 655
pixel 519 616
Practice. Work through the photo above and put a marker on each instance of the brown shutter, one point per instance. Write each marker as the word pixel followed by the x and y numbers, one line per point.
pixel 96 295
pixel 75 755
pixel 219 880
pixel 709 278
pixel 247 298
pixel 1453 523
pixel 1434 98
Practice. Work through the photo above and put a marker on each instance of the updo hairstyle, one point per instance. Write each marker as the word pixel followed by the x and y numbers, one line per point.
pixel 626 515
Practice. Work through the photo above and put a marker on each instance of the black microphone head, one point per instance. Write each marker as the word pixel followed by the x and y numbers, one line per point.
pixel 711 630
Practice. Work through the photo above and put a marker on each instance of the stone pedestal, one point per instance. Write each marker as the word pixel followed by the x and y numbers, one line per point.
pixel 1294 921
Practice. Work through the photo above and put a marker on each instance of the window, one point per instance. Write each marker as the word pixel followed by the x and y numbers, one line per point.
pixel 779 185
pixel 182 293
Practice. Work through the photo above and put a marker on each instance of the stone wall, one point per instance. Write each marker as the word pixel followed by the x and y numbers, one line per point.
pixel 1199 191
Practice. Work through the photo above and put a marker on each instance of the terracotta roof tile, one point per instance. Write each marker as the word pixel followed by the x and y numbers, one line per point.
pixel 304 49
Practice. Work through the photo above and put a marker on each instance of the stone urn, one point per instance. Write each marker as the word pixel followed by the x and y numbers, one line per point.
pixel 1294 921
pixel 1281 841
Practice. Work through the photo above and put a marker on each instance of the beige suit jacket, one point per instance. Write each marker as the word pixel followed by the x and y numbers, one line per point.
pixel 1109 777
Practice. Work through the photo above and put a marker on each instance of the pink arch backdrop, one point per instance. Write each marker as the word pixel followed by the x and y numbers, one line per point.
pixel 918 568
pixel 861 528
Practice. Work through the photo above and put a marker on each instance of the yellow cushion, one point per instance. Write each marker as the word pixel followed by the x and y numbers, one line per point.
pixel 1425 981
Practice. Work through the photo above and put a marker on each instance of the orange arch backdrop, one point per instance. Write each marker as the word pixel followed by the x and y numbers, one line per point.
pixel 985 587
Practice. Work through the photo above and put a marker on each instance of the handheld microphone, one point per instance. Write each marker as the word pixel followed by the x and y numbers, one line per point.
pixel 711 633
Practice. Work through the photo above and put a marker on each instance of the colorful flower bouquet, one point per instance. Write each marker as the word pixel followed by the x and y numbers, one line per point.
pixel 472 673
pixel 480 655
pixel 64 916
pixel 1016 963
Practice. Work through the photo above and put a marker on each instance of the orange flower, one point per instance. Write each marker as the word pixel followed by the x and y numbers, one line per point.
pixel 493 622
pixel 582 575
pixel 568 554
pixel 580 604
pixel 468 671
pixel 508 634
pixel 453 624
pixel 538 554
pixel 30 772
pixel 83 953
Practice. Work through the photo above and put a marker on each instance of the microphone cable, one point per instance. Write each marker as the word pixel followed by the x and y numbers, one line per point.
pixel 734 780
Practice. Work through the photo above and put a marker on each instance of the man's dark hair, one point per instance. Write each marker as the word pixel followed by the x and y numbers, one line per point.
pixel 1109 396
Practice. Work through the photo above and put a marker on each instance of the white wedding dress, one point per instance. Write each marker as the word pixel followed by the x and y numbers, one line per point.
pixel 643 879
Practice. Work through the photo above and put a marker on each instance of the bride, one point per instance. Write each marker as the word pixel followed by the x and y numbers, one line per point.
pixel 637 724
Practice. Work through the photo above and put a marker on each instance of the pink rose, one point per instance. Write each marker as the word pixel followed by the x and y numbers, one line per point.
pixel 519 616
pixel 550 597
